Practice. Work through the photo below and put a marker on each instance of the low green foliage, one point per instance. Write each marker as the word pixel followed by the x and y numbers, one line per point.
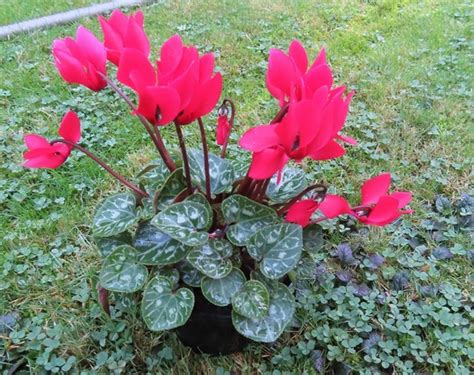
pixel 388 301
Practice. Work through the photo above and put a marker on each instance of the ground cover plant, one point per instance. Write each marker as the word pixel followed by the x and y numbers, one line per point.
pixel 375 303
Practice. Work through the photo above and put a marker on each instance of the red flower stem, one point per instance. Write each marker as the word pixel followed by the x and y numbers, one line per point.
pixel 206 158
pixel 263 190
pixel 119 177
pixel 155 137
pixel 182 146
pixel 231 123
pixel 103 296
pixel 279 116
pixel 321 195
pixel 245 184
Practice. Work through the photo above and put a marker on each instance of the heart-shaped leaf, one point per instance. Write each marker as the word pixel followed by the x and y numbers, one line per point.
pixel 246 217
pixel 292 182
pixel 199 198
pixel 313 239
pixel 221 171
pixel 121 272
pixel 174 184
pixel 212 259
pixel 155 247
pixel 163 308
pixel 190 275
pixel 220 291
pixel 171 273
pixel 108 244
pixel 272 325
pixel 252 300
pixel 186 222
pixel 153 176
pixel 278 247
pixel 115 215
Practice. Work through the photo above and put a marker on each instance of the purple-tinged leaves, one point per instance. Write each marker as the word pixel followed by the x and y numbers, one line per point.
pixel 429 290
pixel 318 360
pixel 376 260
pixel 370 342
pixel 360 290
pixel 344 276
pixel 400 280
pixel 344 253
pixel 442 253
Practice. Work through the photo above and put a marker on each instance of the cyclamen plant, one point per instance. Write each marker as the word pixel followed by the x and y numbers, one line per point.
pixel 199 222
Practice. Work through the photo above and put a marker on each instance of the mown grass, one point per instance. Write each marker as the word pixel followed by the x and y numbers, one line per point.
pixel 410 63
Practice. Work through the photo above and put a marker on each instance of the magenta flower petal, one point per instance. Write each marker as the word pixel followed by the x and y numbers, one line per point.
pixel 267 162
pixel 70 128
pixel 301 212
pixel 403 198
pixel 334 205
pixel 374 188
pixel 298 54
pixel 259 138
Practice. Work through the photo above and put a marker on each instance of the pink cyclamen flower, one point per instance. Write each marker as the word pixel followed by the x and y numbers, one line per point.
pixel 309 129
pixel 41 154
pixel 384 207
pixel 122 31
pixel 288 77
pixel 222 130
pixel 81 60
pixel 181 88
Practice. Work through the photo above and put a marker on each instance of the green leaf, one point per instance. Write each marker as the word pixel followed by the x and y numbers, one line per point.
pixel 121 272
pixel 247 217
pixel 153 176
pixel 240 233
pixel 241 164
pixel 220 291
pixel 199 198
pixel 108 244
pixel 293 181
pixel 190 275
pixel 212 259
pixel 115 215
pixel 252 300
pixel 171 273
pixel 220 170
pixel 163 308
pixel 155 247
pixel 277 247
pixel 174 184
pixel 186 222
pixel 272 325
pixel 313 238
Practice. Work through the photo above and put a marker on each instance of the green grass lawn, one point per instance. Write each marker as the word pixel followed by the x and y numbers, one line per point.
pixel 410 64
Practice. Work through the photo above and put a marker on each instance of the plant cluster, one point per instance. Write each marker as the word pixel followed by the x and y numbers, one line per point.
pixel 235 231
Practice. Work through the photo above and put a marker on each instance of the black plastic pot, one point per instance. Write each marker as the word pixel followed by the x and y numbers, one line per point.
pixel 209 329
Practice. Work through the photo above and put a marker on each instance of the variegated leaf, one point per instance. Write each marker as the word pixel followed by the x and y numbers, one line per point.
pixel 153 176
pixel 190 275
pixel 220 170
pixel 252 300
pixel 155 247
pixel 220 291
pixel 186 222
pixel 293 181
pixel 313 240
pixel 115 215
pixel 277 247
pixel 174 184
pixel 171 273
pixel 246 217
pixel 163 308
pixel 212 259
pixel 108 244
pixel 121 272
pixel 272 325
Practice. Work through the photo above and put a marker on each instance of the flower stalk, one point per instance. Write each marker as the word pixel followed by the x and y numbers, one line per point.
pixel 100 162
pixel 206 158
pixel 184 154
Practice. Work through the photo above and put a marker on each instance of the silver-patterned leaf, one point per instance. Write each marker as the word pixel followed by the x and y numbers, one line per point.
pixel 163 308
pixel 241 165
pixel 246 217
pixel 277 247
pixel 199 198
pixel 186 222
pixel 171 273
pixel 153 176
pixel 293 181
pixel 252 300
pixel 174 184
pixel 190 275
pixel 220 291
pixel 155 247
pixel 212 259
pixel 121 272
pixel 115 215
pixel 238 208
pixel 272 325
pixel 239 233
pixel 108 244
pixel 221 171
pixel 313 240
